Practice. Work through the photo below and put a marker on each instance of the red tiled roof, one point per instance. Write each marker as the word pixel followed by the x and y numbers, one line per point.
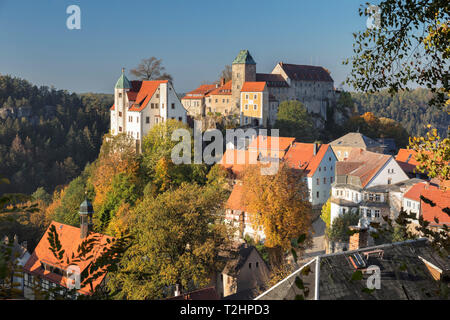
pixel 407 156
pixel 112 108
pixel 237 160
pixel 148 89
pixel 306 73
pixel 415 191
pixel 442 200
pixel 250 86
pixel 70 240
pixel 200 92
pixel 234 202
pixel 223 90
pixel 362 164
pixel 301 156
pixel 270 143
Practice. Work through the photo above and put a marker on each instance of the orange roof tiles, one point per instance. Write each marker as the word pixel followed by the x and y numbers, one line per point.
pixel 70 240
pixel 253 86
pixel 271 143
pixel 148 89
pixel 301 156
pixel 442 200
pixel 112 108
pixel 200 92
pixel 234 202
pixel 415 191
pixel 237 160
pixel 223 90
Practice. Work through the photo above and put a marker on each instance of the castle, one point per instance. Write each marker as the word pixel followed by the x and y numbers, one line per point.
pixel 254 97
pixel 139 105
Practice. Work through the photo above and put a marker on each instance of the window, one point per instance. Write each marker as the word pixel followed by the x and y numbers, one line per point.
pixel 255 107
pixel 331 179
pixel 120 113
pixel 162 105
pixel 250 265
pixel 377 213
pixel 369 213
pixel 157 95
pixel 180 119
pixel 318 181
pixel 147 119
pixel 137 135
pixel 389 181
pixel 346 154
pixel 324 168
pixel 246 96
pixel 173 105
pixel 317 194
pixel 120 129
pixel 361 211
pixel 137 119
pixel 377 197
pixel 152 105
pixel 324 180
pixel 255 97
pixel 408 203
pixel 320 169
pixel 216 100
pixel 246 107
pixel 120 94
pixel 371 197
pixel 130 119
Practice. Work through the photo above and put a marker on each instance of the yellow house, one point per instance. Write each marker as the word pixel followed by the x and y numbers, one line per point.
pixel 254 104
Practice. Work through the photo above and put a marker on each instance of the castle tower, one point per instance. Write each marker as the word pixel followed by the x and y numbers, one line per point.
pixel 243 69
pixel 86 211
pixel 120 102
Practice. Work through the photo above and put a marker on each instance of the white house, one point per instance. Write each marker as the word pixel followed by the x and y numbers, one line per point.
pixel 357 179
pixel 318 162
pixel 139 105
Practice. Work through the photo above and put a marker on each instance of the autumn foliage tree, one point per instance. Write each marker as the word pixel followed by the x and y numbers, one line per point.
pixel 278 203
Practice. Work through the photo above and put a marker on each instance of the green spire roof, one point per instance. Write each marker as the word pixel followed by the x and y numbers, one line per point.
pixel 123 82
pixel 244 57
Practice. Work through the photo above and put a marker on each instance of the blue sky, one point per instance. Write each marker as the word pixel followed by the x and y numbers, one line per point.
pixel 195 39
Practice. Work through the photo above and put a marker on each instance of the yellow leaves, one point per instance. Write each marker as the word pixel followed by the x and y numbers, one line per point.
pixel 277 203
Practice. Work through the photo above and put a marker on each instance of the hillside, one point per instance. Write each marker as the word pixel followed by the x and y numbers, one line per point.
pixel 411 109
pixel 47 136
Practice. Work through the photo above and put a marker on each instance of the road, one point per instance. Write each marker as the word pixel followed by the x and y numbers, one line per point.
pixel 318 247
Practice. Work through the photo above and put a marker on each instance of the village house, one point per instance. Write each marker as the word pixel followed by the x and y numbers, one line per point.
pixel 195 101
pixel 435 205
pixel 139 105
pixel 254 104
pixel 50 274
pixel 244 274
pixel 354 140
pixel 358 185
pixel 318 163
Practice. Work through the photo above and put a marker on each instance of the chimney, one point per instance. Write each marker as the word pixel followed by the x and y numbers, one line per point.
pixel 359 239
pixel 315 148
pixel 222 81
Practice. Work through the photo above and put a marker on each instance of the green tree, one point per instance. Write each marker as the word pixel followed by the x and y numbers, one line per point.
pixel 339 230
pixel 178 237
pixel 293 120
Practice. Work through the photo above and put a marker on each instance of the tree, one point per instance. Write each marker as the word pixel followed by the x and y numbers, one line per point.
pixel 151 69
pixel 179 235
pixel 433 155
pixel 279 204
pixel 226 73
pixel 339 230
pixel 410 46
pixel 326 214
pixel 293 120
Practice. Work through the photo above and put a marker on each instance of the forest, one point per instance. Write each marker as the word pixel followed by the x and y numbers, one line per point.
pixel 409 108
pixel 47 136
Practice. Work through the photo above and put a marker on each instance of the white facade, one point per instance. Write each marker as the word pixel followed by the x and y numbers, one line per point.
pixel 319 185
pixel 391 173
pixel 136 121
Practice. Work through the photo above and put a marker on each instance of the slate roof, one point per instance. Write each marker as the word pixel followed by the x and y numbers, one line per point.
pixel 272 79
pixel 305 72
pixel 404 271
pixel 356 140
